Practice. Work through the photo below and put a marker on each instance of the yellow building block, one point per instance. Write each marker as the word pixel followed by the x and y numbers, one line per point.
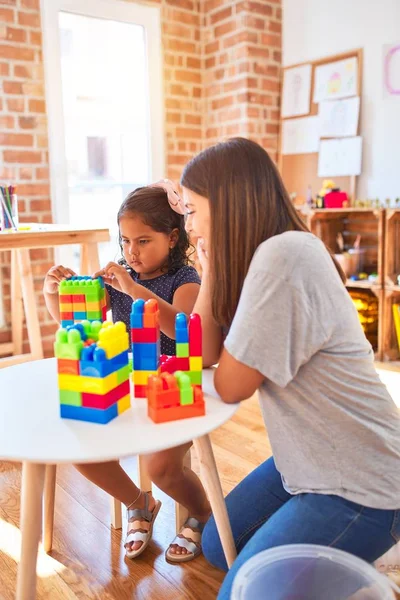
pixel 196 363
pixel 142 377
pixel 124 404
pixel 93 306
pixel 91 385
pixel 113 338
pixel 79 307
pixel 66 307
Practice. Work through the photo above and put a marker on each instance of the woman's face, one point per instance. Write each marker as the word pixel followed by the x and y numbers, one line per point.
pixel 197 216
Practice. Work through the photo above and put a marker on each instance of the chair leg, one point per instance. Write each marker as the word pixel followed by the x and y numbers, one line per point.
pixel 181 513
pixel 48 508
pixel 212 485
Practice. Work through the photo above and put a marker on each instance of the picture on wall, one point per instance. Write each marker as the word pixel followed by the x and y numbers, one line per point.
pixel 296 91
pixel 391 70
pixel 336 80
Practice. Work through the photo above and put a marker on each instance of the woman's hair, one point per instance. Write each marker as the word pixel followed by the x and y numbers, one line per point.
pixel 152 207
pixel 245 190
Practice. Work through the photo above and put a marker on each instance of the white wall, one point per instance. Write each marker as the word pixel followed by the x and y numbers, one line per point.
pixel 313 29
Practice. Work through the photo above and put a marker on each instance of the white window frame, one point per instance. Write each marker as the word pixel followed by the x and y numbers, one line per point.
pixel 126 12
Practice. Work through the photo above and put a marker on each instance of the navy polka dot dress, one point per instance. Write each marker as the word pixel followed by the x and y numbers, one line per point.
pixel 163 286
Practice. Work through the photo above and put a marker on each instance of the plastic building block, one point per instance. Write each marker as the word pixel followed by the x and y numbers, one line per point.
pixel 72 398
pixel 66 315
pixel 142 377
pixel 196 363
pixel 68 366
pixel 137 314
pixel 123 374
pixel 140 391
pixel 68 344
pixel 93 415
pixel 79 306
pixel 182 350
pixel 195 377
pixel 78 299
pixel 65 298
pixel 171 364
pixel 104 401
pixel 181 329
pixel 124 404
pixel 195 336
pixel 145 335
pixel 66 323
pixel 168 400
pixel 94 362
pixel 113 339
pixel 80 316
pixel 66 307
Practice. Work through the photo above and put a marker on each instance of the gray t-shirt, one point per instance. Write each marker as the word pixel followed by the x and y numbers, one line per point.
pixel 333 427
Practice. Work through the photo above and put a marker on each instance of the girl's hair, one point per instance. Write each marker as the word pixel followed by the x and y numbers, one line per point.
pixel 152 207
pixel 248 205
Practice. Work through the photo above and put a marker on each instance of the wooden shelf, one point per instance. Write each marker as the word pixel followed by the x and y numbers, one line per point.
pixel 362 284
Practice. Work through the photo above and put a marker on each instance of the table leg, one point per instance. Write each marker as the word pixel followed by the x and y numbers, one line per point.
pixel 93 257
pixel 212 485
pixel 28 295
pixel 31 520
pixel 48 508
pixel 84 266
pixel 17 316
pixel 143 476
pixel 116 513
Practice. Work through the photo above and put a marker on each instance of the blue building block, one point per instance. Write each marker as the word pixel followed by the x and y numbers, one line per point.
pixel 137 314
pixel 181 329
pixel 93 415
pixel 65 324
pixel 81 315
pixel 146 356
pixel 94 363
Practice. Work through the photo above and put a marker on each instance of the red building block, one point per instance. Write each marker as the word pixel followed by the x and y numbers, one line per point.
pixel 176 413
pixel 104 401
pixel 145 336
pixel 140 391
pixel 68 366
pixel 65 298
pixel 78 298
pixel 171 364
pixel 66 316
pixel 195 341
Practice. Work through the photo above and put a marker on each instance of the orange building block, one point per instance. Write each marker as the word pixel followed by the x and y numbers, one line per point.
pixel 68 366
pixel 164 400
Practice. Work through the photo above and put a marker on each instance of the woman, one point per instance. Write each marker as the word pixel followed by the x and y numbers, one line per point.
pixel 293 333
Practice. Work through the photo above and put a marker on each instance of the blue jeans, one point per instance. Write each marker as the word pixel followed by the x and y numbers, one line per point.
pixel 263 515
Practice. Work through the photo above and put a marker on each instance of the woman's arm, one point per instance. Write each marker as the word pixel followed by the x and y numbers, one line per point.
pixel 235 381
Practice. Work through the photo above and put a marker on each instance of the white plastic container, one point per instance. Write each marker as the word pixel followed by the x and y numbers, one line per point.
pixel 309 572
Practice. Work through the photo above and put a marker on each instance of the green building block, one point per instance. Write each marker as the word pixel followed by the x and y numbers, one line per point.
pixel 195 377
pixel 185 388
pixel 182 350
pixel 71 398
pixel 94 315
pixel 123 374
pixel 68 344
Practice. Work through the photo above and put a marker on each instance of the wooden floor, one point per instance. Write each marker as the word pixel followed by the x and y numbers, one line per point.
pixel 87 561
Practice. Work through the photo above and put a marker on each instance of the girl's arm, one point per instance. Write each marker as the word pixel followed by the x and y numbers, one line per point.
pixel 184 297
pixel 50 289
pixel 212 332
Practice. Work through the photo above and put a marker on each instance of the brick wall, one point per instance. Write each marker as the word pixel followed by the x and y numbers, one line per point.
pixel 221 78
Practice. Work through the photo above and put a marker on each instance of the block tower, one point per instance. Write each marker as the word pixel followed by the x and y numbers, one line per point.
pixel 173 397
pixel 93 371
pixel 82 298
pixel 145 337
pixel 188 349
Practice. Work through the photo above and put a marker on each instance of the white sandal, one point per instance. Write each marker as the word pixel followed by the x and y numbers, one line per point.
pixel 189 537
pixel 140 526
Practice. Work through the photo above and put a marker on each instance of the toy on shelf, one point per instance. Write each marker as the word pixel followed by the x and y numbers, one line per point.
pixel 93 371
pixel 82 299
pixel 145 338
pixel 188 349
pixel 330 196
pixel 173 397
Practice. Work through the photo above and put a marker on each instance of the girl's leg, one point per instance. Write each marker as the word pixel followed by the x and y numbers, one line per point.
pixel 250 504
pixel 166 470
pixel 112 478
pixel 323 520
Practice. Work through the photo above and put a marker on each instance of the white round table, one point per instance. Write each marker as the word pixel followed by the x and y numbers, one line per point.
pixel 32 431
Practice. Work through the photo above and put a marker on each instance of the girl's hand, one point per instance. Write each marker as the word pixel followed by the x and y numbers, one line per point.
pixel 54 277
pixel 202 254
pixel 118 277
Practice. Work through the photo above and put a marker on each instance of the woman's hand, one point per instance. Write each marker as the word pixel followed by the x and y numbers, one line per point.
pixel 118 277
pixel 54 277
pixel 202 255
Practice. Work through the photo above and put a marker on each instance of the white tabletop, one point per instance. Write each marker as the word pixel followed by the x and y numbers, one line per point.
pixel 31 428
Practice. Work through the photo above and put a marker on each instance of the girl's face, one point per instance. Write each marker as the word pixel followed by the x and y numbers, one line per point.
pixel 197 216
pixel 145 250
